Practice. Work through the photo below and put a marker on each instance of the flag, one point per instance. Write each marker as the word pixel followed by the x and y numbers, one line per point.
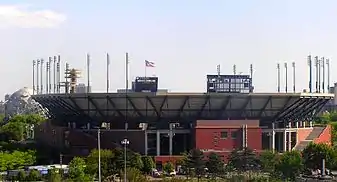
pixel 149 64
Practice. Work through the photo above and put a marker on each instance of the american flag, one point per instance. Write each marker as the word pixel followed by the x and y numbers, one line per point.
pixel 149 63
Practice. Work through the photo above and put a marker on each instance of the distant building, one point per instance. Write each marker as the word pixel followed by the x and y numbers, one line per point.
pixel 82 88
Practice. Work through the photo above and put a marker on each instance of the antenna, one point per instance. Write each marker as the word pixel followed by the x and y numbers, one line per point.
pixel 50 64
pixel 328 67
pixel 37 77
pixel 294 77
pixel 47 77
pixel 59 74
pixel 317 68
pixel 54 72
pixel 310 73
pixel 88 72
pixel 286 69
pixel 34 63
pixel 323 74
pixel 278 78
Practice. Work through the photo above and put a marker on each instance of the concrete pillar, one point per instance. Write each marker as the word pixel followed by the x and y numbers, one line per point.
pixel 303 124
pixel 88 126
pixel 146 142
pixel 285 140
pixel 273 137
pixel 296 124
pixel 311 124
pixel 289 141
pixel 171 139
pixel 74 125
pixel 158 143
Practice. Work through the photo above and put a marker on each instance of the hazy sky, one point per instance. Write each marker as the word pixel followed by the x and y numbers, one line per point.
pixel 185 38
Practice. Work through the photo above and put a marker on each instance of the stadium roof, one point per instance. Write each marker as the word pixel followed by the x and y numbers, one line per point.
pixel 152 107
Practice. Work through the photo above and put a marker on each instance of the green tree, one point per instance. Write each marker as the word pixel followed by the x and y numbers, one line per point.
pixel 21 175
pixel 107 164
pixel 16 160
pixel 134 175
pixel 243 160
pixel 34 175
pixel 214 164
pixel 313 155
pixel 54 176
pixel 148 164
pixel 77 170
pixel 269 160
pixel 168 167
pixel 290 165
pixel 14 130
pixel 195 161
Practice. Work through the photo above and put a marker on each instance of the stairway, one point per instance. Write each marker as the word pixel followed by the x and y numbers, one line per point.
pixel 315 133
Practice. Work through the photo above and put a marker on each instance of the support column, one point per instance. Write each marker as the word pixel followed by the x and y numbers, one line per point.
pixel 303 123
pixel 285 140
pixel 158 143
pixel 289 142
pixel 171 139
pixel 296 124
pixel 146 142
pixel 273 137
pixel 311 124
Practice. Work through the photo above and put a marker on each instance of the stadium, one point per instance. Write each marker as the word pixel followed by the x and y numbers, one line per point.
pixel 166 124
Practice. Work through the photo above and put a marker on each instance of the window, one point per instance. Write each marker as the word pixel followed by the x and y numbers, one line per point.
pixel 234 134
pixel 224 135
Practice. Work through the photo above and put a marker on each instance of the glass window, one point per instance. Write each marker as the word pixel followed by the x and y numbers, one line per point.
pixel 224 134
pixel 234 134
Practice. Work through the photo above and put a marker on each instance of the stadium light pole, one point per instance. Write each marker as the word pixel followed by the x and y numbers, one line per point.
pixel 99 154
pixel 125 142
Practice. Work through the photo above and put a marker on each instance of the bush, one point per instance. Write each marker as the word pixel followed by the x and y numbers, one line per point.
pixel 34 175
pixel 134 175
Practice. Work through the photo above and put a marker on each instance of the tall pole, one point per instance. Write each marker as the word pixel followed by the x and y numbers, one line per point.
pixel 54 72
pixel 310 73
pixel 88 73
pixel 107 72
pixel 234 73
pixel 50 64
pixel 294 77
pixel 125 162
pixel 278 78
pixel 34 63
pixel 37 77
pixel 47 77
pixel 41 75
pixel 319 75
pixel 286 69
pixel 218 70
pixel 126 88
pixel 317 68
pixel 251 78
pixel 323 74
pixel 59 74
pixel 328 67
pixel 99 154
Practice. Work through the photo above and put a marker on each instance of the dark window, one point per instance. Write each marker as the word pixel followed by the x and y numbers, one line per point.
pixel 234 134
pixel 224 134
